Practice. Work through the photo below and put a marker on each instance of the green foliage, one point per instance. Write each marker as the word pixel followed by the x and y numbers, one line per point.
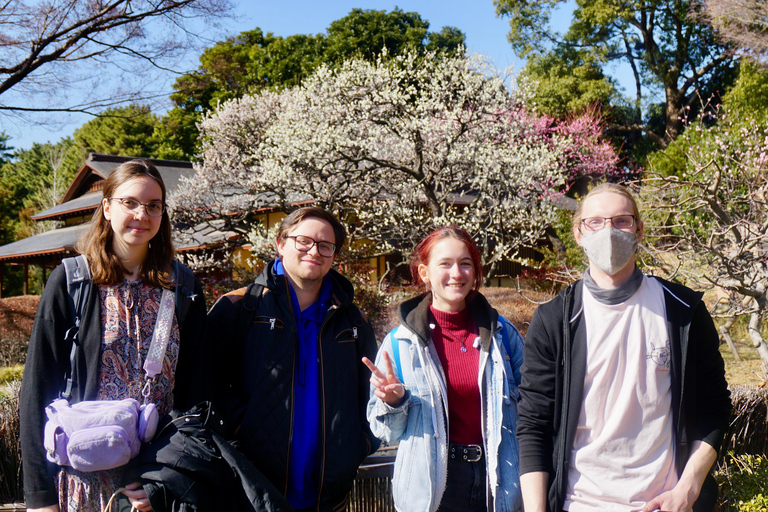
pixel 666 49
pixel 33 181
pixel 252 62
pixel 746 105
pixel 176 134
pixel 449 39
pixel 124 131
pixel 365 33
pixel 569 81
pixel 749 95
pixel 742 483
pixel 574 255
pixel 11 373
pixel 5 149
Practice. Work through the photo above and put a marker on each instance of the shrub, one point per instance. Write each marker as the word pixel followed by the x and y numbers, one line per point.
pixel 742 483
pixel 17 315
pixel 11 487
pixel 215 288
pixel 372 302
pixel 10 374
pixel 747 431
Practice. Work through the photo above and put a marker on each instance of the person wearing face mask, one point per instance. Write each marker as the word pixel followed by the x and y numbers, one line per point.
pixel 623 396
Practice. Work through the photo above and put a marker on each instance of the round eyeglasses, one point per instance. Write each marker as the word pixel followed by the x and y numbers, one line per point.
pixel 305 244
pixel 618 222
pixel 131 206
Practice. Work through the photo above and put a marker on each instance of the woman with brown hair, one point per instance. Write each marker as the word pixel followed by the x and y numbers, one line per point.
pixel 129 253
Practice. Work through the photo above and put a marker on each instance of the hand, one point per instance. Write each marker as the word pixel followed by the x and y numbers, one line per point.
pixel 674 500
pixel 683 495
pixel 138 497
pixel 50 508
pixel 388 386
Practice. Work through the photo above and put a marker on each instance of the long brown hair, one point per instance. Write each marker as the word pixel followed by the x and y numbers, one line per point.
pixel 96 243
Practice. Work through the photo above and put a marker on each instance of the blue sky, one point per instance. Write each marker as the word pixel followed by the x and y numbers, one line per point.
pixel 485 34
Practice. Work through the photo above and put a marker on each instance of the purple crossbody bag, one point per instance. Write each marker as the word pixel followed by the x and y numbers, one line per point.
pixel 95 435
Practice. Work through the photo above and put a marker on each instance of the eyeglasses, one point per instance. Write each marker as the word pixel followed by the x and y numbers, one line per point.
pixel 131 206
pixel 305 244
pixel 618 222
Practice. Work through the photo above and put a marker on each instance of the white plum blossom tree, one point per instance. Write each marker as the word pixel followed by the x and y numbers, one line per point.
pixel 396 147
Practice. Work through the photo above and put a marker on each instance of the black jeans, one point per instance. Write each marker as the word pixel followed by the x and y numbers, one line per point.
pixel 465 490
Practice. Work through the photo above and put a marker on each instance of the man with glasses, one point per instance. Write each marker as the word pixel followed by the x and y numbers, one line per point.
pixel 289 371
pixel 623 397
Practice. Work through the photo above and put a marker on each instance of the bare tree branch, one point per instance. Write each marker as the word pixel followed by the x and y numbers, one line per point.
pixel 61 47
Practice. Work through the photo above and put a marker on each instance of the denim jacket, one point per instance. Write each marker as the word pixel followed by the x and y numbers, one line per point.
pixel 420 423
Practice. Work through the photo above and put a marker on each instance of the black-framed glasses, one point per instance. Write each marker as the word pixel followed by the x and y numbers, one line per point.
pixel 618 222
pixel 305 244
pixel 131 206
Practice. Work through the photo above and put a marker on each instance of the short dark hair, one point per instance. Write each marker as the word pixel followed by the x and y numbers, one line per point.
pixel 297 217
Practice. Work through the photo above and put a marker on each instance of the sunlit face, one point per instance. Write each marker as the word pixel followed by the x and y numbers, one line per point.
pixel 133 230
pixel 607 205
pixel 450 274
pixel 306 267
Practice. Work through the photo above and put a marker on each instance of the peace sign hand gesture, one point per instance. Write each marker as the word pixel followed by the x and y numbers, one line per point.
pixel 388 386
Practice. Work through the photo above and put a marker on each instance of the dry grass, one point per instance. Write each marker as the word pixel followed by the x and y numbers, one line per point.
pixel 747 372
pixel 748 429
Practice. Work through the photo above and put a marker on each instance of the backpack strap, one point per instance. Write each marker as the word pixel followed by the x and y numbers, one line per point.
pixel 395 343
pixel 248 308
pixel 505 335
pixel 79 286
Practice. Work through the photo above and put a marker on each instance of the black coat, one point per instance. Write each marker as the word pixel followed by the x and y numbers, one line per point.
pixel 253 367
pixel 189 466
pixel 553 369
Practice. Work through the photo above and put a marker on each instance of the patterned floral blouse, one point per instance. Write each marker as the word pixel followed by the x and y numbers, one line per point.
pixel 128 315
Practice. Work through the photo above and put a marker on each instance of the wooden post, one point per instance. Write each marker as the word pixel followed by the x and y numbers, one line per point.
pixel 2 265
pixel 26 278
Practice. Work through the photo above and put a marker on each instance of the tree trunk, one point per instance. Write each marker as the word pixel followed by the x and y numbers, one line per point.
pixel 674 114
pixel 754 332
pixel 725 332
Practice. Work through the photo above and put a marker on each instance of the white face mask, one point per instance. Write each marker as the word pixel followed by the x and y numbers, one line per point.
pixel 609 249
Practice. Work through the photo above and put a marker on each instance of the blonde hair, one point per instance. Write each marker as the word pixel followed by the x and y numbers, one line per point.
pixel 603 188
pixel 96 243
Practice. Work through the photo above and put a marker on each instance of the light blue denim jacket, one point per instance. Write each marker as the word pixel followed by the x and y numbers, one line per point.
pixel 420 423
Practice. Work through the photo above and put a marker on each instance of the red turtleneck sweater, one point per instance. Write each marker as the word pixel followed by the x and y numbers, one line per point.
pixel 453 331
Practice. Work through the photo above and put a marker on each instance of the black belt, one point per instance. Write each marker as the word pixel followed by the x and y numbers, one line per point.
pixel 465 452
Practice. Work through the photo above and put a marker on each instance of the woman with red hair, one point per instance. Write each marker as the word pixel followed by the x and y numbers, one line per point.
pixel 445 387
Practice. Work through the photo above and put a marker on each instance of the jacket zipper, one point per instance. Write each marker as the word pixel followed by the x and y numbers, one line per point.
pixel 437 386
pixel 293 390
pixel 331 312
pixel 559 473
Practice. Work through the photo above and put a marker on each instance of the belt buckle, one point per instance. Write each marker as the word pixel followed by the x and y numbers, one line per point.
pixel 478 453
